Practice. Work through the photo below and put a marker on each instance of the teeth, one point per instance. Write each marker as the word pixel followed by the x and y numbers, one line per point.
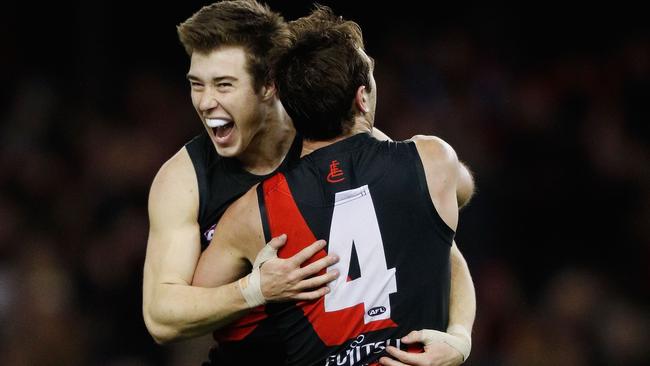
pixel 216 122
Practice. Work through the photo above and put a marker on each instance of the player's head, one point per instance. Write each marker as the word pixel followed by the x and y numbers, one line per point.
pixel 324 78
pixel 229 43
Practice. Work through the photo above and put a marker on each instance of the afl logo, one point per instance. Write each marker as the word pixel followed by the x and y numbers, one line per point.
pixel 210 233
pixel 377 310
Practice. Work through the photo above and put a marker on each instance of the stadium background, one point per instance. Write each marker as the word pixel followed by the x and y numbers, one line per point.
pixel 546 102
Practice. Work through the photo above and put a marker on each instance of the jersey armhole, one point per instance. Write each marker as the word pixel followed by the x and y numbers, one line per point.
pixel 263 215
pixel 441 226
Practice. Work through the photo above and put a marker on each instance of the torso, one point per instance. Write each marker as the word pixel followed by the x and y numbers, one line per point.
pixel 221 181
pixel 370 201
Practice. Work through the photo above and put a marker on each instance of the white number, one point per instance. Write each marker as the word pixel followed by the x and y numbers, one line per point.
pixel 354 221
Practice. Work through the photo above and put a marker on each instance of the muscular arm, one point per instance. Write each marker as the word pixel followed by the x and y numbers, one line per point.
pixel 237 240
pixel 462 302
pixel 172 308
pixel 444 172
pixel 465 187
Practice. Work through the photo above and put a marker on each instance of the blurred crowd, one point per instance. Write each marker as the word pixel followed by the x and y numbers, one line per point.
pixel 557 236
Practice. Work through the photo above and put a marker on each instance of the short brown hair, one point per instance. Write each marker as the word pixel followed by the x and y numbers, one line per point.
pixel 318 76
pixel 245 23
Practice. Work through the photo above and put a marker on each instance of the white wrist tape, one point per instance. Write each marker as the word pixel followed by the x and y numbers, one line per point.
pixel 268 252
pixel 251 285
pixel 457 337
pixel 251 288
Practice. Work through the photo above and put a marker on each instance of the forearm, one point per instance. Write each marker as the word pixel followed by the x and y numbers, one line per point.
pixel 179 311
pixel 462 300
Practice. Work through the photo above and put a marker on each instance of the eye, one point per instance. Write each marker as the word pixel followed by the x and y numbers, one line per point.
pixel 196 85
pixel 224 84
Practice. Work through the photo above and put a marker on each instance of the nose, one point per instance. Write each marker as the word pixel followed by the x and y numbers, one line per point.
pixel 208 100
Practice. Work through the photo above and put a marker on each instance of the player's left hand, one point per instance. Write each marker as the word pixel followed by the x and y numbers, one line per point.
pixel 435 353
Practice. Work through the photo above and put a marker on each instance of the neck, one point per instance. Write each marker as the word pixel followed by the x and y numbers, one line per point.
pixel 270 146
pixel 361 125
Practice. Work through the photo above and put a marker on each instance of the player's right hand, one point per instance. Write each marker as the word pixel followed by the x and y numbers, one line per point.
pixel 285 279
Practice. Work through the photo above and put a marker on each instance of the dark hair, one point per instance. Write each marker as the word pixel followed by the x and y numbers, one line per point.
pixel 245 23
pixel 318 76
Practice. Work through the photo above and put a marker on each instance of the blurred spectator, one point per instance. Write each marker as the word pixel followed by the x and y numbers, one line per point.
pixel 553 120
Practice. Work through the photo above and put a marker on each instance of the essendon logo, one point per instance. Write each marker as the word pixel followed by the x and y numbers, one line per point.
pixel 336 174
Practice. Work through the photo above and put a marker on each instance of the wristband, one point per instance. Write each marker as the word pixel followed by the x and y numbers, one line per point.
pixel 456 337
pixel 251 285
pixel 251 288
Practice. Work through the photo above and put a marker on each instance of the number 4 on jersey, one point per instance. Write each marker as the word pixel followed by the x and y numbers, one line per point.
pixel 354 224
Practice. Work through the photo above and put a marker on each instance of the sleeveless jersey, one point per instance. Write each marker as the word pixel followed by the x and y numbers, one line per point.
pixel 370 201
pixel 221 181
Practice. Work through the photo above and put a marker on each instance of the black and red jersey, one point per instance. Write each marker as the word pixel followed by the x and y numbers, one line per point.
pixel 370 201
pixel 221 181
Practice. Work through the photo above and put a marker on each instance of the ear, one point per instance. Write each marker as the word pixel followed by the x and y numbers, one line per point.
pixel 361 99
pixel 268 91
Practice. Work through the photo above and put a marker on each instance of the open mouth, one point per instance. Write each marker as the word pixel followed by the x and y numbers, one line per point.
pixel 220 127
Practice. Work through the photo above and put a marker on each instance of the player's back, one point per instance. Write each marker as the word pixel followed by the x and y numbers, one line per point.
pixel 370 201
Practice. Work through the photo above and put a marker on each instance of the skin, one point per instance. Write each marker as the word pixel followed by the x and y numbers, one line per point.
pixel 239 235
pixel 222 88
pixel 173 308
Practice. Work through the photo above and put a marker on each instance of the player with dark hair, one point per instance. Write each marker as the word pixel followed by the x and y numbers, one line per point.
pixel 387 209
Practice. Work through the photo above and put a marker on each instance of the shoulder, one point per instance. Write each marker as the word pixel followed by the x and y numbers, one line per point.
pixel 175 185
pixel 434 150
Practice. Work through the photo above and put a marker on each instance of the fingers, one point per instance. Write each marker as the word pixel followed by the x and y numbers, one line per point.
pixel 319 265
pixel 278 241
pixel 387 361
pixel 404 357
pixel 415 336
pixel 317 281
pixel 311 295
pixel 308 252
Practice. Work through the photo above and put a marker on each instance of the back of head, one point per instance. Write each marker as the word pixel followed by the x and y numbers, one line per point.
pixel 319 74
pixel 244 23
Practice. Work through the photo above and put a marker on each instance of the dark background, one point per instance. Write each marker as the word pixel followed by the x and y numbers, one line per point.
pixel 548 103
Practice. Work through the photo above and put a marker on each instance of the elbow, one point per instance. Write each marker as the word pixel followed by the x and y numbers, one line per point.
pixel 162 335
pixel 161 332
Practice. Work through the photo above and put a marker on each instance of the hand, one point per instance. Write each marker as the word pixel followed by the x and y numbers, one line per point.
pixel 284 279
pixel 435 353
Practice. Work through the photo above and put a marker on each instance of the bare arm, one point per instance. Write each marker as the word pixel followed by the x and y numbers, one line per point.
pixel 462 302
pixel 173 309
pixel 237 240
pixel 465 187
pixel 440 158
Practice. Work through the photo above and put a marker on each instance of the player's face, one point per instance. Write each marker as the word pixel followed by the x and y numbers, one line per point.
pixel 223 96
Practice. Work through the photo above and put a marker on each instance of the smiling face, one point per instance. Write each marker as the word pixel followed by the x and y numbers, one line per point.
pixel 222 92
